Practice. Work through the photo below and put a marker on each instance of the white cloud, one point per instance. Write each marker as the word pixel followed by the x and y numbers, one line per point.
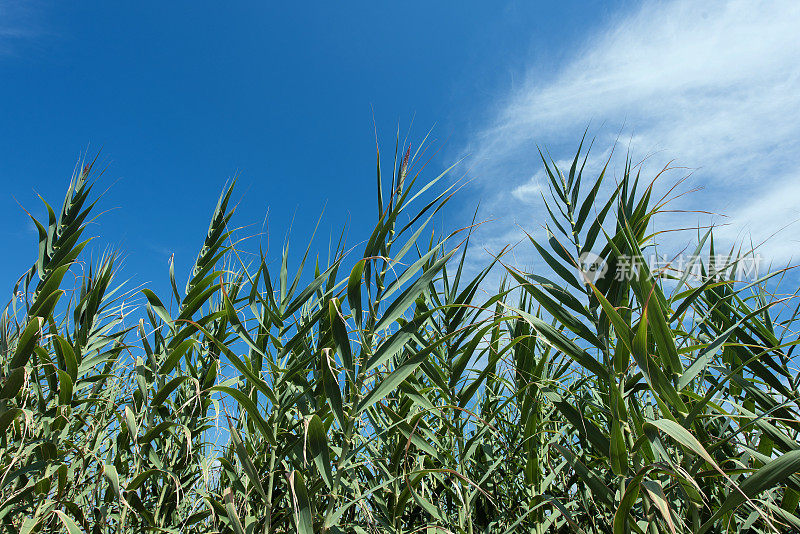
pixel 775 212
pixel 531 190
pixel 17 22
pixel 713 85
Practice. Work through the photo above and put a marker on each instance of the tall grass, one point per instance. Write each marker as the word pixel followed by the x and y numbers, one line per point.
pixel 389 391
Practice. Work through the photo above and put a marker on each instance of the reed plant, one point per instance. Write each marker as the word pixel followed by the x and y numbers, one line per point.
pixel 395 388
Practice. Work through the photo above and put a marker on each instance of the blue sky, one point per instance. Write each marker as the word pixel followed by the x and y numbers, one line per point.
pixel 181 96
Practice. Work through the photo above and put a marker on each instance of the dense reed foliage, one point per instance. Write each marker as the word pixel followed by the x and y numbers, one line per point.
pixel 393 391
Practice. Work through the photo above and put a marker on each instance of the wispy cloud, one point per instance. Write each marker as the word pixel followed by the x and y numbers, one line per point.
pixel 713 85
pixel 18 22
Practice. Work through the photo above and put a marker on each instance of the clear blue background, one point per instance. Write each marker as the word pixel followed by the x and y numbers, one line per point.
pixel 180 96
